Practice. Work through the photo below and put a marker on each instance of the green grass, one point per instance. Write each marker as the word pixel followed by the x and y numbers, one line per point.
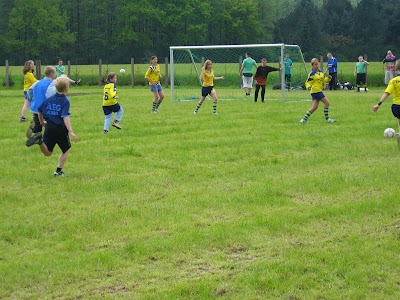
pixel 249 204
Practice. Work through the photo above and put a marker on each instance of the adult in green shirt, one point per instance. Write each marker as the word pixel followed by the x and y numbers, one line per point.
pixel 60 70
pixel 247 72
pixel 360 71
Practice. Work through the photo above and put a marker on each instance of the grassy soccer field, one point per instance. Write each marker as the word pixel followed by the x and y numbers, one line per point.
pixel 249 204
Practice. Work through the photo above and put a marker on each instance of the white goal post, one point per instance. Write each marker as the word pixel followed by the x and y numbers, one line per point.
pixel 186 63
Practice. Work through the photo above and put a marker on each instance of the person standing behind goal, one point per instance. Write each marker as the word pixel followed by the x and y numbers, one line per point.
pixel 390 61
pixel 153 75
pixel 247 73
pixel 360 72
pixel 207 78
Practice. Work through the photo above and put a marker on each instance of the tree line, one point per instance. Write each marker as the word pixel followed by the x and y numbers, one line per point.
pixel 83 31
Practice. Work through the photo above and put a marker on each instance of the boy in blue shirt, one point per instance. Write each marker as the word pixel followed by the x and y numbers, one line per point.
pixel 54 114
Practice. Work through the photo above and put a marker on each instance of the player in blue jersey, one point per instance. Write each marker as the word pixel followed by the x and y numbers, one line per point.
pixel 288 70
pixel 315 84
pixel 332 70
pixel 54 114
pixel 37 94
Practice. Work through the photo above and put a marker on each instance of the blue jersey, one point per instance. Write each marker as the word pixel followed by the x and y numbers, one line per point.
pixel 288 64
pixel 332 63
pixel 55 109
pixel 40 91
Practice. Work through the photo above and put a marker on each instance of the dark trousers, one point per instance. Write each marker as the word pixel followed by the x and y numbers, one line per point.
pixel 38 127
pixel 262 92
pixel 333 82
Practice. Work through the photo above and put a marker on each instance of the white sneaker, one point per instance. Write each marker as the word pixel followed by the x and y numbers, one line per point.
pixel 195 112
pixel 302 121
pixel 329 120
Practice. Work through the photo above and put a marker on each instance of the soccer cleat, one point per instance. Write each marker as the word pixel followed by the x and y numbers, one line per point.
pixel 195 112
pixel 105 131
pixel 78 81
pixel 116 125
pixel 36 139
pixel 329 120
pixel 156 111
pixel 303 121
pixel 28 132
pixel 58 173
pixel 23 119
pixel 215 113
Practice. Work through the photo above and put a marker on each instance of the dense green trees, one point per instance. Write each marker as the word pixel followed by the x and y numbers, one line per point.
pixel 116 30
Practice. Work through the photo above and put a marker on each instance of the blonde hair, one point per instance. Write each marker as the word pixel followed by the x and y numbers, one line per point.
pixel 27 66
pixel 207 62
pixel 49 70
pixel 314 60
pixel 62 84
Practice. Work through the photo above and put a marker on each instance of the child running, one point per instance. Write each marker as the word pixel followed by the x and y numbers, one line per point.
pixel 54 114
pixel 153 76
pixel 29 80
pixel 393 87
pixel 315 84
pixel 110 103
pixel 207 78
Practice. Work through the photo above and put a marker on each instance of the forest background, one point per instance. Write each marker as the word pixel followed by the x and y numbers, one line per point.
pixel 84 31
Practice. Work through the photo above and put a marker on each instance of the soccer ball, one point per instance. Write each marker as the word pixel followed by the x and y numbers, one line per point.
pixel 122 71
pixel 389 133
pixel 153 68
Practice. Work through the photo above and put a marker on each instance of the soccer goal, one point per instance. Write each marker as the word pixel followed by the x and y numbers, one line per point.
pixel 186 63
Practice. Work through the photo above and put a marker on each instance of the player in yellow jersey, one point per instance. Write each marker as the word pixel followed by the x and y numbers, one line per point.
pixel 29 79
pixel 315 84
pixel 393 87
pixel 207 78
pixel 153 75
pixel 110 103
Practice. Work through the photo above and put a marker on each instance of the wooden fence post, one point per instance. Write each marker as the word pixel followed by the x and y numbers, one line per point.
pixel 69 69
pixel 166 73
pixel 132 71
pixel 7 74
pixel 38 64
pixel 100 73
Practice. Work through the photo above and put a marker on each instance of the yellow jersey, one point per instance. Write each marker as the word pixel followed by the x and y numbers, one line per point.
pixel 208 78
pixel 153 73
pixel 29 79
pixel 316 81
pixel 394 87
pixel 110 91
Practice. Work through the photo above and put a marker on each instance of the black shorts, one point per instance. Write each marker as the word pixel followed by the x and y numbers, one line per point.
pixel 110 109
pixel 56 135
pixel 206 90
pixel 396 110
pixel 361 77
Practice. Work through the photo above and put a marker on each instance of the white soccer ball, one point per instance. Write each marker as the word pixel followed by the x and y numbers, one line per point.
pixel 389 133
pixel 122 71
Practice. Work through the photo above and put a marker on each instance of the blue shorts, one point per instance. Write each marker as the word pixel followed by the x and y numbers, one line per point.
pixel 110 109
pixel 156 88
pixel 206 90
pixel 317 96
pixel 396 110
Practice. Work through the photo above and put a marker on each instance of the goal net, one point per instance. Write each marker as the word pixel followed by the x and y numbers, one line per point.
pixel 186 63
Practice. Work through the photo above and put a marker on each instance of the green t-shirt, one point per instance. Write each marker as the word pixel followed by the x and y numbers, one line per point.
pixel 59 70
pixel 248 64
pixel 360 67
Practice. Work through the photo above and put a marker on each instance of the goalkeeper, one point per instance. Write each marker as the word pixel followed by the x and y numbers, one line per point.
pixel 261 78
